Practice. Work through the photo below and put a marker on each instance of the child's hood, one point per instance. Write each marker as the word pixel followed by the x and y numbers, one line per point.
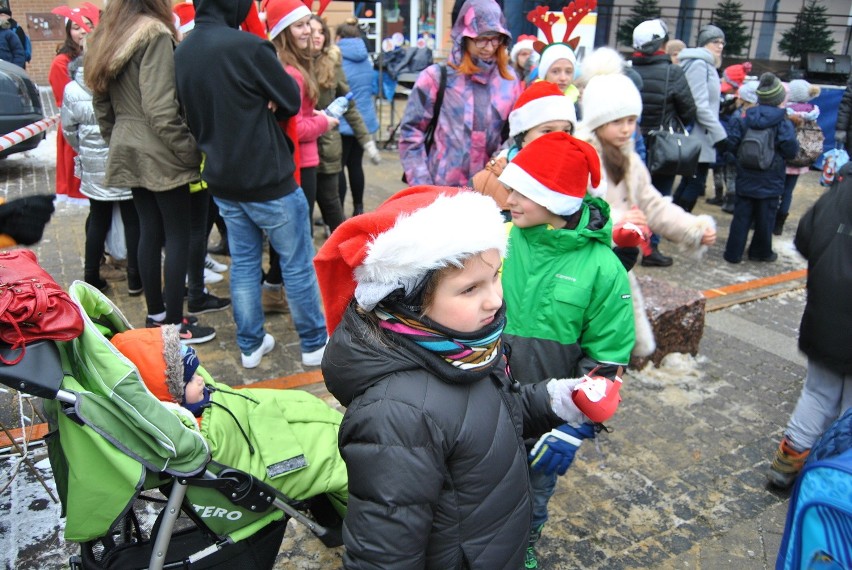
pixel 764 116
pixel 353 49
pixel 697 53
pixel 594 225
pixel 156 354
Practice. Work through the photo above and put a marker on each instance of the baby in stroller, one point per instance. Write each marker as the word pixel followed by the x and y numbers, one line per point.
pixel 246 428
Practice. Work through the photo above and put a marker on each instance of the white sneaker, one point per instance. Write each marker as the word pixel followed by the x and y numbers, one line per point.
pixel 214 265
pixel 253 359
pixel 211 277
pixel 313 358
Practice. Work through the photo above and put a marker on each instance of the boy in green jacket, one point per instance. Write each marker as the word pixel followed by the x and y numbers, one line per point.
pixel 569 308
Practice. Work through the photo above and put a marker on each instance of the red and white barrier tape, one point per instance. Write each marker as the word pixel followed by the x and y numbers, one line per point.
pixel 24 133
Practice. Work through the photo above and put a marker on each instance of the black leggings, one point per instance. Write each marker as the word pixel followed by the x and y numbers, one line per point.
pixel 198 203
pixel 163 219
pixel 353 158
pixel 97 226
pixel 328 199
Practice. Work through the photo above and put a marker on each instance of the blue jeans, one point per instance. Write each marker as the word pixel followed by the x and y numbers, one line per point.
pixel 285 221
pixel 543 486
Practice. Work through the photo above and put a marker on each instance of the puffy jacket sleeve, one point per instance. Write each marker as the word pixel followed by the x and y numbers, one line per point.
pixel 412 131
pixel 309 127
pixel 352 114
pixel 539 417
pixel 395 460
pixel 684 102
pixel 104 113
pixel 159 100
pixel 788 144
pixel 282 89
pixel 844 111
pixel 608 330
pixel 16 48
pixel 70 118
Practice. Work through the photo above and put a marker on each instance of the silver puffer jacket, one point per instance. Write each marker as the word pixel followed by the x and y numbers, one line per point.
pixel 82 132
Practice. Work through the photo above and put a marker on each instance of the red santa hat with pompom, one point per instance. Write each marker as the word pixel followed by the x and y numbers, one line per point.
pixel 279 14
pixel 525 41
pixel 185 13
pixel 539 103
pixel 413 232
pixel 554 171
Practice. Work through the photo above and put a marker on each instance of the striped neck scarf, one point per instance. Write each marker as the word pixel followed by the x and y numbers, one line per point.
pixel 465 351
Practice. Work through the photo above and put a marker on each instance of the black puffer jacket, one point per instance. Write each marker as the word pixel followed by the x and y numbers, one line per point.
pixel 844 113
pixel 676 99
pixel 438 473
pixel 825 239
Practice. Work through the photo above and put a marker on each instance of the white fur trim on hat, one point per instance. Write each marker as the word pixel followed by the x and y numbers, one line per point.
pixel 552 54
pixel 417 244
pixel 541 110
pixel 523 44
pixel 297 14
pixel 609 98
pixel 519 180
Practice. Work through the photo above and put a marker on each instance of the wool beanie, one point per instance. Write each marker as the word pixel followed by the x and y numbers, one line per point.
pixel 708 33
pixel 552 54
pixel 800 91
pixel 541 102
pixel 748 92
pixel 415 231
pixel 524 42
pixel 5 9
pixel 649 36
pixel 190 362
pixel 734 75
pixel 609 97
pixel 279 14
pixel 185 11
pixel 554 171
pixel 770 91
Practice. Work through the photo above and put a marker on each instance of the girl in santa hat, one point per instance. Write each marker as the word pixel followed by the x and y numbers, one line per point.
pixel 77 25
pixel 611 105
pixel 523 57
pixel 438 475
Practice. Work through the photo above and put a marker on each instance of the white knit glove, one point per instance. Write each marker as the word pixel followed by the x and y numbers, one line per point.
pixel 560 390
pixel 373 152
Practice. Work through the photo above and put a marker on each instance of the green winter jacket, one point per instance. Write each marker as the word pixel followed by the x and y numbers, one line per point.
pixel 568 299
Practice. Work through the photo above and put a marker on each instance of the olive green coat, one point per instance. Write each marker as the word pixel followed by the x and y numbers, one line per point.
pixel 150 145
pixel 330 144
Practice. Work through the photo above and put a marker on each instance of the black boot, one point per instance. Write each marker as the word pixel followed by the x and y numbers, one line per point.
pixel 728 206
pixel 718 189
pixel 779 224
pixel 357 210
pixel 656 259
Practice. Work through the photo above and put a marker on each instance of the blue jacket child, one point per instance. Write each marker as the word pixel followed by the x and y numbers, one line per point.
pixel 758 190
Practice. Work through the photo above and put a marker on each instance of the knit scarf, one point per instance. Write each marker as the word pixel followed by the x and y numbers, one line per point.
pixel 465 351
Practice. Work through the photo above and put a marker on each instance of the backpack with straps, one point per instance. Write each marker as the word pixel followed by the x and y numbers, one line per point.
pixel 757 149
pixel 811 140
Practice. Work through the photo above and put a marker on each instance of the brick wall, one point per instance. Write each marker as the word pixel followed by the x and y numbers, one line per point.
pixel 44 50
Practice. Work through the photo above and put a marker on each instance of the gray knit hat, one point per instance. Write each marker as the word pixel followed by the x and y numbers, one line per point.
pixel 770 91
pixel 708 33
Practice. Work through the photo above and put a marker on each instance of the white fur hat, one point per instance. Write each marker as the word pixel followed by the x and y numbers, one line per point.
pixel 609 94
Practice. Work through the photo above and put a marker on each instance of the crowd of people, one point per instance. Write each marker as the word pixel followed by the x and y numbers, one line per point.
pixel 426 335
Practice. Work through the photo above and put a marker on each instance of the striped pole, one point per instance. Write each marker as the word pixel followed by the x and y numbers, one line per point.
pixel 24 133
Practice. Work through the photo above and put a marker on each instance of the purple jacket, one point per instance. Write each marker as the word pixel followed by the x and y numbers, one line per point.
pixel 472 116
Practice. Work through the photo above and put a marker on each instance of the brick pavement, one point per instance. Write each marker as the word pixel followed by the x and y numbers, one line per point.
pixel 677 484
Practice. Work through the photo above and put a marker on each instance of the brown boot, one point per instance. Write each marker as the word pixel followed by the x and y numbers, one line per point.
pixel 274 300
pixel 111 272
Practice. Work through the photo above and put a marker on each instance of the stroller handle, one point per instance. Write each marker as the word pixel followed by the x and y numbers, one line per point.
pixel 38 372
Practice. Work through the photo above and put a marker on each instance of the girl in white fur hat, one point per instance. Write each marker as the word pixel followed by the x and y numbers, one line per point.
pixel 611 105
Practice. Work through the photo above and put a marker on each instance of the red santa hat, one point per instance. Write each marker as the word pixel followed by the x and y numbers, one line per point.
pixel 185 13
pixel 413 232
pixel 734 76
pixel 525 41
pixel 76 15
pixel 279 14
pixel 554 171
pixel 541 102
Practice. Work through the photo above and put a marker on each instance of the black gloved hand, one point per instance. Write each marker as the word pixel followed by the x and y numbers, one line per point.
pixel 628 256
pixel 24 219
pixel 721 146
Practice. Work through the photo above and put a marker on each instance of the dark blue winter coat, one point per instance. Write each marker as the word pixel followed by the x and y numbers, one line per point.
pixel 763 183
pixel 359 73
pixel 11 49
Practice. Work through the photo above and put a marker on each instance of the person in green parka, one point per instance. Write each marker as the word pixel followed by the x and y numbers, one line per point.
pixel 569 309
pixel 287 438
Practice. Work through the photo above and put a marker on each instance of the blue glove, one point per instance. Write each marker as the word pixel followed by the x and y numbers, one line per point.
pixel 555 450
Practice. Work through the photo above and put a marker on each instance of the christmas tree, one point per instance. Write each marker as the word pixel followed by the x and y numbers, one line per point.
pixel 810 33
pixel 641 11
pixel 729 17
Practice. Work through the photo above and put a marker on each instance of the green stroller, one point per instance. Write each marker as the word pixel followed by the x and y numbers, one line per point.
pixel 141 486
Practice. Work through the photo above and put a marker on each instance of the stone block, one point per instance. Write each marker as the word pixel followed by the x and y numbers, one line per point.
pixel 677 319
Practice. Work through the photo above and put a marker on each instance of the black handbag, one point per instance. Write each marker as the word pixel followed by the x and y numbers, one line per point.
pixel 671 149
